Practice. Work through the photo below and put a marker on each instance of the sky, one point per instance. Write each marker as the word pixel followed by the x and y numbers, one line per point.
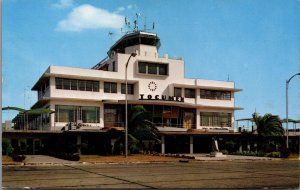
pixel 255 43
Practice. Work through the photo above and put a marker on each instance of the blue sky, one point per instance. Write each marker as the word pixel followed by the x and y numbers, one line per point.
pixel 255 43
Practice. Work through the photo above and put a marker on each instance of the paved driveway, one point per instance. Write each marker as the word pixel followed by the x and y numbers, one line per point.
pixel 195 174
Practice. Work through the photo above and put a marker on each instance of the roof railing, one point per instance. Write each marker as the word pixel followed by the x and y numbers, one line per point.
pixel 100 63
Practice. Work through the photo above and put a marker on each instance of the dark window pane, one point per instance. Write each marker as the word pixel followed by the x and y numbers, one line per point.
pixel 177 92
pixel 96 86
pixel 46 83
pixel 58 83
pixel 215 95
pixel 107 87
pixel 89 85
pixel 227 95
pixel 130 89
pixel 89 114
pixel 123 88
pixel 113 116
pixel 202 93
pixel 114 66
pixel 65 113
pixel 163 69
pixel 142 67
pixel 215 119
pixel 81 85
pixel 152 68
pixel 66 84
pixel 73 84
pixel 189 93
pixel 113 88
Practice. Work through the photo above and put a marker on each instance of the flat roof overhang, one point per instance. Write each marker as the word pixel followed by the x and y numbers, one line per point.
pixel 207 87
pixel 46 76
pixel 44 101
pixel 41 80
pixel 170 103
pixel 40 103
pixel 199 133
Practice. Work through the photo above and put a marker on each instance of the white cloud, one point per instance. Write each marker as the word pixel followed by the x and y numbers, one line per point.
pixel 129 6
pixel 90 17
pixel 119 9
pixel 62 4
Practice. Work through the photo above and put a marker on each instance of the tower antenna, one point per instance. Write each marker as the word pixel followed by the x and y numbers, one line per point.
pixel 135 27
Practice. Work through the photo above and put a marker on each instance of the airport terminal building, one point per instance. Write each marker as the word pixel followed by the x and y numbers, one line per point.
pixel 181 108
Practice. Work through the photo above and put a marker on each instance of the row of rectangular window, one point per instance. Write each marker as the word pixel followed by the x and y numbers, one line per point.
pixel 153 68
pixel 188 92
pixel 76 84
pixel 86 114
pixel 205 94
pixel 111 87
pixel 88 85
pixel 215 119
pixel 215 94
pixel 91 114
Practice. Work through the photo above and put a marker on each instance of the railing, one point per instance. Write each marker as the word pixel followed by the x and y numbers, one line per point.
pixel 114 124
pixel 100 63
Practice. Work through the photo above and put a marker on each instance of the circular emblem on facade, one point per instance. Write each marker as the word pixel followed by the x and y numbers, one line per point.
pixel 152 86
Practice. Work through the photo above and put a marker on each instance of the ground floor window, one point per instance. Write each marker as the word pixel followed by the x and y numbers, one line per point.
pixel 215 119
pixel 65 113
pixel 113 115
pixel 161 115
pixel 90 114
pixel 86 114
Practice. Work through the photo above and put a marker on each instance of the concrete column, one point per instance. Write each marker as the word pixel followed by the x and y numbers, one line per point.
pixel 163 144
pixel 79 143
pixel 52 118
pixel 197 119
pixel 102 115
pixel 191 145
pixel 248 146
pixel 241 146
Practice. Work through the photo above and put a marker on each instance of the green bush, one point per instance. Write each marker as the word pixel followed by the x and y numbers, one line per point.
pixel 224 151
pixel 7 148
pixel 247 153
pixel 273 154
pixel 284 152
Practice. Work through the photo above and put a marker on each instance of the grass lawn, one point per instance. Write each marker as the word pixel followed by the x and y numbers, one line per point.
pixel 294 156
pixel 7 159
pixel 121 158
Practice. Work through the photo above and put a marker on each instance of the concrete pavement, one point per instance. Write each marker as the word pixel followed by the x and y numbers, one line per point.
pixel 49 160
pixel 195 174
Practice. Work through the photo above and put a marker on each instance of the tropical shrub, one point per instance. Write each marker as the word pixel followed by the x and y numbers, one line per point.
pixel 18 157
pixel 246 153
pixel 7 148
pixel 229 145
pixel 284 152
pixel 273 154
pixel 270 131
pixel 224 151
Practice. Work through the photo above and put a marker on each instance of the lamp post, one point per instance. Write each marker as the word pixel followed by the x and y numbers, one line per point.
pixel 126 105
pixel 287 109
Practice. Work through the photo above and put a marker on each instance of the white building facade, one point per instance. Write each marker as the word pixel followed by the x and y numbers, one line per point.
pixel 95 97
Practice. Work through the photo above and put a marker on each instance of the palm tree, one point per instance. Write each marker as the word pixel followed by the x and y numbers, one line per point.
pixel 139 128
pixel 268 125
pixel 140 125
pixel 270 131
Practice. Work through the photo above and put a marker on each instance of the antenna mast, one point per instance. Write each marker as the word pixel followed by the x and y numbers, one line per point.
pixel 135 26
